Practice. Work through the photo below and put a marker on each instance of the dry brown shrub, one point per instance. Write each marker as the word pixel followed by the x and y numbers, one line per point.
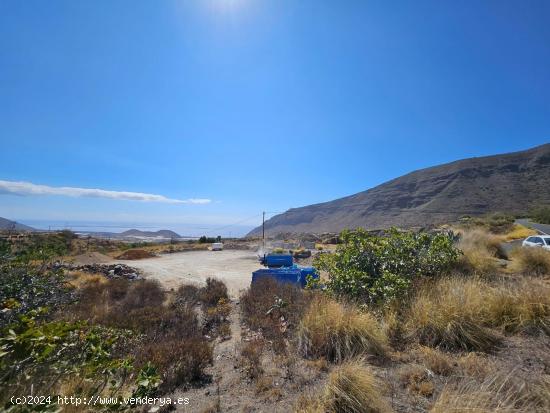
pixel 179 361
pixel 143 293
pixel 251 358
pixel 187 295
pixel 213 292
pixel 275 309
pixel 169 336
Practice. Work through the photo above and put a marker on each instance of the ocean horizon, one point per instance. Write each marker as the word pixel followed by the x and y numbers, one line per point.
pixel 184 230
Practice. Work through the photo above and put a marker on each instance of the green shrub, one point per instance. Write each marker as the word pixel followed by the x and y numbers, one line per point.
pixel 541 215
pixel 496 223
pixel 373 268
pixel 25 287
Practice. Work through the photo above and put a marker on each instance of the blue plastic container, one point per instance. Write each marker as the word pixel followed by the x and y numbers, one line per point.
pixel 294 275
pixel 278 260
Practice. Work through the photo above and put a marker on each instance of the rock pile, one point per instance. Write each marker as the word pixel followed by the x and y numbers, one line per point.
pixel 108 270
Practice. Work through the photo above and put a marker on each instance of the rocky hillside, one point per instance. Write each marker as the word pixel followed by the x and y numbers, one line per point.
pixel 6 224
pixel 512 183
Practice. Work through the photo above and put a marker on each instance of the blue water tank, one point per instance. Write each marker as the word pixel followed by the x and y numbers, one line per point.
pixel 278 260
pixel 294 275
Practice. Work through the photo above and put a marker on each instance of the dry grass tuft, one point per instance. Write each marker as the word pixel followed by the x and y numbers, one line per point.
pixel 80 279
pixel 309 403
pixel 519 232
pixel 496 394
pixel 417 379
pixel 434 360
pixel 480 252
pixel 459 314
pixel 446 315
pixel 476 365
pixel 523 305
pixel 353 388
pixel 531 261
pixel 336 332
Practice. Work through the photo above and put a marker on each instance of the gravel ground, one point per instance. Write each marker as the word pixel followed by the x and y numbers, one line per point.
pixel 234 267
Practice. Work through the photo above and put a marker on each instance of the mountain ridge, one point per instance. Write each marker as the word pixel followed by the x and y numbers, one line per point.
pixel 7 224
pixel 511 182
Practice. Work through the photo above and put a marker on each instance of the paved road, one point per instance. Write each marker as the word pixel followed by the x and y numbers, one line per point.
pixel 545 228
pixel 234 267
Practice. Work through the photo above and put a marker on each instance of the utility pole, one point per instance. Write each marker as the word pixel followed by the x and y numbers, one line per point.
pixel 263 230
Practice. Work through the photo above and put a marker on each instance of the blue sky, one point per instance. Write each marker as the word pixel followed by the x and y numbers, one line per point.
pixel 256 105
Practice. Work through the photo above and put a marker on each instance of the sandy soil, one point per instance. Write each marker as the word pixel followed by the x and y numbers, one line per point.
pixel 91 258
pixel 234 267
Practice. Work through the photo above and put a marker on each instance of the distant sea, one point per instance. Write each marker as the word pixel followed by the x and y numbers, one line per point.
pixel 185 230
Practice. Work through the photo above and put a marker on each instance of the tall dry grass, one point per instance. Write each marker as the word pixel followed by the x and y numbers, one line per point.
pixel 463 313
pixel 498 393
pixel 446 314
pixel 350 388
pixel 518 305
pixel 480 252
pixel 531 261
pixel 337 331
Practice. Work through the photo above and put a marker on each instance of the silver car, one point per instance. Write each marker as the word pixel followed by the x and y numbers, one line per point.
pixel 542 241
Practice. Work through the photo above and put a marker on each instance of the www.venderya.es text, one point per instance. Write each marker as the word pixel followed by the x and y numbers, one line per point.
pixel 97 401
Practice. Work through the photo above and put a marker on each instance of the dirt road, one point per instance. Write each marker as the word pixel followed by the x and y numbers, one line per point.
pixel 234 267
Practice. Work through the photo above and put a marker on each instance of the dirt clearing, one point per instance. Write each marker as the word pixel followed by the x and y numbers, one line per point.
pixel 233 267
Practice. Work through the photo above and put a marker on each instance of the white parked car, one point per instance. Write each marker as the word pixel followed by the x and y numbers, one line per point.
pixel 542 241
pixel 217 246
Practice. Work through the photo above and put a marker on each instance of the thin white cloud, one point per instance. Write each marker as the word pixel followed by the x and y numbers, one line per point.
pixel 28 188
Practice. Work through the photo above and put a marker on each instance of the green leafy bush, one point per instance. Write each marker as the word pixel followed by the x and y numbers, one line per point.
pixel 377 268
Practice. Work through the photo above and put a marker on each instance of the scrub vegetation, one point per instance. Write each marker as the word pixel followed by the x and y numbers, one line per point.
pixel 111 338
pixel 400 321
